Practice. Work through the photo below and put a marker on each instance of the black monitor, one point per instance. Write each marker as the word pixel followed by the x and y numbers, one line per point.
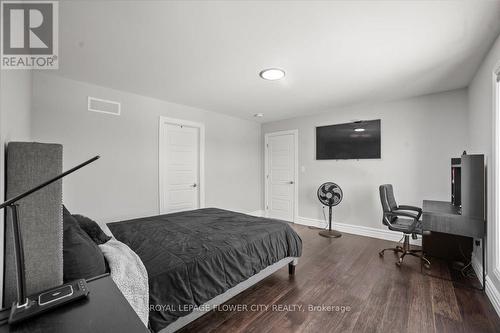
pixel 356 140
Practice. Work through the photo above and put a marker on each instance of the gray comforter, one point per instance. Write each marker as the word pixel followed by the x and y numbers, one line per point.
pixel 193 256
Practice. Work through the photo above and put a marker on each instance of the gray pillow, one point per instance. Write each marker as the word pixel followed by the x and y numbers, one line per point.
pixel 92 229
pixel 82 258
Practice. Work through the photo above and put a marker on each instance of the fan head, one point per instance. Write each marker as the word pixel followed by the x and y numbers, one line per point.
pixel 330 194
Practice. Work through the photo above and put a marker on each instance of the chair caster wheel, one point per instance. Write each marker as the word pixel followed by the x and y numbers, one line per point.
pixel 398 263
pixel 381 254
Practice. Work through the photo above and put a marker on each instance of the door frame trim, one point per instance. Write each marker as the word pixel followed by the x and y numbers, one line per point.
pixel 295 133
pixel 162 158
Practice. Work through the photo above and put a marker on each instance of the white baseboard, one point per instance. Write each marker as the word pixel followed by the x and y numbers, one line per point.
pixel 478 267
pixel 258 213
pixel 493 294
pixel 491 290
pixel 385 234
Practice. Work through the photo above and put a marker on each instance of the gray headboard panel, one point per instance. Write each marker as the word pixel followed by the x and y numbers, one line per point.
pixel 28 164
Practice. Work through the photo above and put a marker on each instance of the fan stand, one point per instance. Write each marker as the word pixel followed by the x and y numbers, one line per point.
pixel 330 233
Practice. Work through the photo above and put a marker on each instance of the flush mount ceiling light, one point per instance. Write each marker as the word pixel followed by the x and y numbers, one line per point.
pixel 359 130
pixel 272 74
pixel 259 115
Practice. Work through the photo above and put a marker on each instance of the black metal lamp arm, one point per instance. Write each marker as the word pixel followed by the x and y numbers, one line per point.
pixel 48 182
pixel 22 299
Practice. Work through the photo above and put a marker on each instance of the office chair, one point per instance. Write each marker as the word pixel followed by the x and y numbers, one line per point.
pixel 404 219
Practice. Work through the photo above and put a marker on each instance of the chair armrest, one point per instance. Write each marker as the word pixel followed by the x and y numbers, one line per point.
pixel 405 214
pixel 413 208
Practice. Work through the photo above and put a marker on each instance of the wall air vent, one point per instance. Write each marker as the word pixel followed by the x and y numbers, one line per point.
pixel 103 106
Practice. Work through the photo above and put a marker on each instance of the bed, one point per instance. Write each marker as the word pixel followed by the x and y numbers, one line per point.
pixel 201 258
pixel 182 261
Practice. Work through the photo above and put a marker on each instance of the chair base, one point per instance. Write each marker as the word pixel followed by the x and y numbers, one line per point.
pixel 405 250
pixel 330 233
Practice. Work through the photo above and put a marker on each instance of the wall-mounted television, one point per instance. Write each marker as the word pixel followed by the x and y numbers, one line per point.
pixel 356 140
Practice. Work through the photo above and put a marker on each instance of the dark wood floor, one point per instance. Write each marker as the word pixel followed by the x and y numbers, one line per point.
pixel 349 272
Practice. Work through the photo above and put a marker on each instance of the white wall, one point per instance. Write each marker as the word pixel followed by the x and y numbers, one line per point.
pixel 419 136
pixel 15 106
pixel 480 127
pixel 124 182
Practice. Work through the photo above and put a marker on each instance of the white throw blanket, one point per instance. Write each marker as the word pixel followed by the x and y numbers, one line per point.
pixel 129 274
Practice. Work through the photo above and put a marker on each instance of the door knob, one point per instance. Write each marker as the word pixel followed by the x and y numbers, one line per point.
pixel 290 182
pixel 194 185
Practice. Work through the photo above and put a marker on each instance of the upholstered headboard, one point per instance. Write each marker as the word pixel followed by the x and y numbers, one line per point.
pixel 28 164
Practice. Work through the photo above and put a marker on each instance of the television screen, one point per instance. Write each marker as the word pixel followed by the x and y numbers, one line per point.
pixel 357 140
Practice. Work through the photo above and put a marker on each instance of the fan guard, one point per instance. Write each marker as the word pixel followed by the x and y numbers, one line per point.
pixel 330 194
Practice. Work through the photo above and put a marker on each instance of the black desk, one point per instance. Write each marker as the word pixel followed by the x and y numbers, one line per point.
pixel 105 310
pixel 442 216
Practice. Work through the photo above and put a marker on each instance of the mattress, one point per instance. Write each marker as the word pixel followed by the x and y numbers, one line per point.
pixel 193 256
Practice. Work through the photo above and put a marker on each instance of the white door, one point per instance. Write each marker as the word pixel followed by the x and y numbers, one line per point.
pixel 281 177
pixel 180 157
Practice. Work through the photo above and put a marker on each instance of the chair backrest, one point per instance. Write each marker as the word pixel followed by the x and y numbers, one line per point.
pixel 388 201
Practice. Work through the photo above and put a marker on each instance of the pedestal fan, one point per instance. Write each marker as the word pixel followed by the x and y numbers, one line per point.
pixel 330 194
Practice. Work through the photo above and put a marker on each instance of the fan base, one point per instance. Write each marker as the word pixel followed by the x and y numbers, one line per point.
pixel 330 233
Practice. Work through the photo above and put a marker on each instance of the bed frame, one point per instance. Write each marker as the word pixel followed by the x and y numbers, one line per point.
pixel 230 293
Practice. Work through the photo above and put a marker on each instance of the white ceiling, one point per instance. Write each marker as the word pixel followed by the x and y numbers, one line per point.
pixel 208 54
